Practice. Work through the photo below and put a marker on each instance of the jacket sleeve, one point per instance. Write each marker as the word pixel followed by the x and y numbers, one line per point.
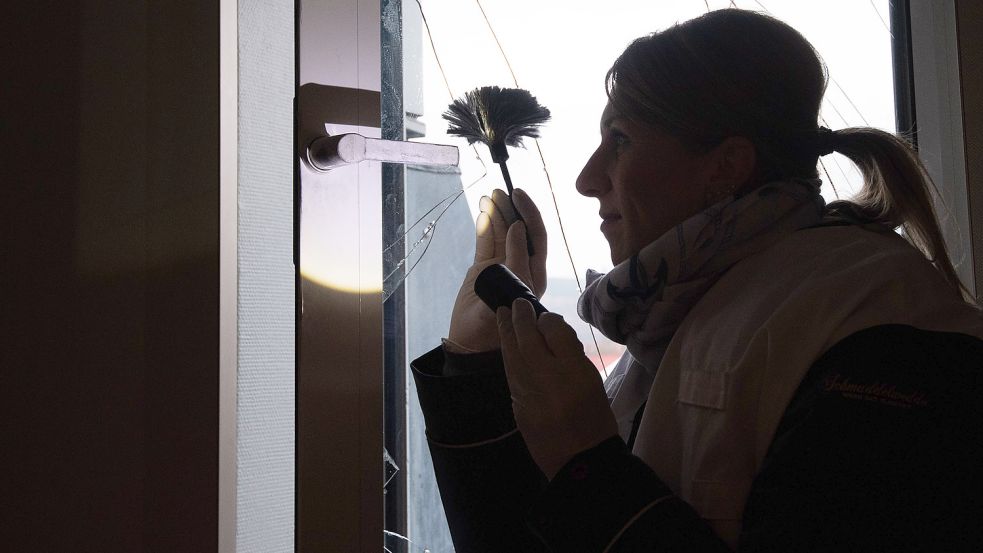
pixel 497 499
pixel 486 477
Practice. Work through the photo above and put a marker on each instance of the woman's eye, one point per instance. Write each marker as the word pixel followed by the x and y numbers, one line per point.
pixel 618 139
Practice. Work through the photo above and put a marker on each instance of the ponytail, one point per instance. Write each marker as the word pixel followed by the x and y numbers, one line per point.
pixel 896 192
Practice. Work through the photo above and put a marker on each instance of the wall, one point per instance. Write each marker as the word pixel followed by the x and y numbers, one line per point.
pixel 265 410
pixel 111 248
pixel 109 199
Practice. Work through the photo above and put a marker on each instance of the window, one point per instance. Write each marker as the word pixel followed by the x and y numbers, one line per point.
pixel 561 55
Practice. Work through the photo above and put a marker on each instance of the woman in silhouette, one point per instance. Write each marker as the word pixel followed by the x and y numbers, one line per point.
pixel 799 376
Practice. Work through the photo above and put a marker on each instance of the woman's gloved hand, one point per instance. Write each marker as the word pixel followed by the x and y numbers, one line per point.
pixel 500 239
pixel 557 396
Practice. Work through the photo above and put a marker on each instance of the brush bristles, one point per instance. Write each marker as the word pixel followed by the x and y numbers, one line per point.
pixel 495 115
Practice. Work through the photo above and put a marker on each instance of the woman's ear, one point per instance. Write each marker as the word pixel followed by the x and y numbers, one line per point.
pixel 731 164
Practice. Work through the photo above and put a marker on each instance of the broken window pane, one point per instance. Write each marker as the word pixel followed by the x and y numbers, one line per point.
pixel 561 55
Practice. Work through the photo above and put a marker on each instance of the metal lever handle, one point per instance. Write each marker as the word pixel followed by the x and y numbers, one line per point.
pixel 328 152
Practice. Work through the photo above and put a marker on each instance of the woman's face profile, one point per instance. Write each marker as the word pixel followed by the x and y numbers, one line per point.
pixel 645 180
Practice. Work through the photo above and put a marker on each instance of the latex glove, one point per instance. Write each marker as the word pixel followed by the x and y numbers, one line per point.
pixel 557 396
pixel 500 239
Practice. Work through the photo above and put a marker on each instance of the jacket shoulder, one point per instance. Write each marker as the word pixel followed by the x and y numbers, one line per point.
pixel 818 286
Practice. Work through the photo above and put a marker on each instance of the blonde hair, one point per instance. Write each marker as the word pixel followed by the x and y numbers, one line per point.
pixel 897 192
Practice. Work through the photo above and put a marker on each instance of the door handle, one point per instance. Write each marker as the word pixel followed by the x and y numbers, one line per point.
pixel 329 152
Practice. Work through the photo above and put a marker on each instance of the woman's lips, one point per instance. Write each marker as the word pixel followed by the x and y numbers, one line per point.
pixel 609 221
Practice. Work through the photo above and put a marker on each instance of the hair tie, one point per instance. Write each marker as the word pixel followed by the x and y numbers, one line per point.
pixel 824 141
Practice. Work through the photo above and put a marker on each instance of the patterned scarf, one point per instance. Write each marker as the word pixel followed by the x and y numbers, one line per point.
pixel 642 301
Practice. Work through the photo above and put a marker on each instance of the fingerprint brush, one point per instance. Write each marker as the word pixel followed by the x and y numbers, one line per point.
pixel 497 117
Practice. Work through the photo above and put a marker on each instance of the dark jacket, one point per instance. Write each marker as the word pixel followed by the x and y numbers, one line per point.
pixel 879 450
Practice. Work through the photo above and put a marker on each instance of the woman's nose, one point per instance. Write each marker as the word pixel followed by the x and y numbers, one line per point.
pixel 593 180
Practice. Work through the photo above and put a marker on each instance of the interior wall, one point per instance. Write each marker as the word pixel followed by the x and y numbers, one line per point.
pixel 109 196
pixel 265 410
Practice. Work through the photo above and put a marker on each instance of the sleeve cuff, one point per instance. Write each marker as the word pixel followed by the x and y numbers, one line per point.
pixel 465 398
pixel 595 497
pixel 450 346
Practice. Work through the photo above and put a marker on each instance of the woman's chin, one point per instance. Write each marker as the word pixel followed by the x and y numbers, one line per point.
pixel 617 256
pixel 615 246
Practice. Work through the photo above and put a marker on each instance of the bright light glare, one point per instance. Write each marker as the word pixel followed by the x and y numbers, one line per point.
pixel 561 50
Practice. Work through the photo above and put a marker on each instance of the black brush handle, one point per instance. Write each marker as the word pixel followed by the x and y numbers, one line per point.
pixel 497 286
pixel 508 182
pixel 508 186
